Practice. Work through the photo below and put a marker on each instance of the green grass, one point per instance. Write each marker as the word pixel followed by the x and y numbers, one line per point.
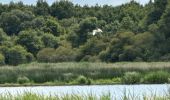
pixel 68 73
pixel 157 77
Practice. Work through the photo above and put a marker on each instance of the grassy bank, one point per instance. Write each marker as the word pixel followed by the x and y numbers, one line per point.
pixel 85 73
pixel 32 96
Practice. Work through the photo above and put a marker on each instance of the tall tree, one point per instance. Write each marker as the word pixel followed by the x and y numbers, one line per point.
pixel 11 21
pixel 42 8
pixel 157 11
pixel 62 9
pixel 30 40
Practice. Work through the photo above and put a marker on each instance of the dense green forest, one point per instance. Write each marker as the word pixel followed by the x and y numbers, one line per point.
pixel 62 32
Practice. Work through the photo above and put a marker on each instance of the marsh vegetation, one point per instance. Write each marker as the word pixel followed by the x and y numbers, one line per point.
pixel 86 73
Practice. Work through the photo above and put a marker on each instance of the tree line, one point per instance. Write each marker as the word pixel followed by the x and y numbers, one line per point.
pixel 61 32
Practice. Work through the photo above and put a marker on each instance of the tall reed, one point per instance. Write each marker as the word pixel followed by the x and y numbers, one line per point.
pixel 49 72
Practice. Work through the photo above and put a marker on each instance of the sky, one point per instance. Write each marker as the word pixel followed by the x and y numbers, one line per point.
pixel 81 2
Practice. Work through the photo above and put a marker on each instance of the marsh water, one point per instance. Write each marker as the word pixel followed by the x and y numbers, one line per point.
pixel 114 90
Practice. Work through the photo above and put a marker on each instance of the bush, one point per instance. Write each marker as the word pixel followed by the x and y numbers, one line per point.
pixel 49 40
pixel 17 55
pixel 165 57
pixel 131 78
pixel 3 36
pixel 23 79
pixel 156 77
pixel 61 54
pixel 30 57
pixel 2 59
pixel 65 54
pixel 31 41
pixel 52 26
pixel 105 55
pixel 46 55
pixel 83 80
pixel 89 81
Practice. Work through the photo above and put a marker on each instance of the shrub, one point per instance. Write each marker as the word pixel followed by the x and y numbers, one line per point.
pixel 53 27
pixel 30 57
pixel 89 81
pixel 131 78
pixel 30 40
pixel 105 55
pixel 165 57
pixel 49 40
pixel 83 80
pixel 156 77
pixel 89 58
pixel 17 55
pixel 61 54
pixel 65 54
pixel 2 59
pixel 23 79
pixel 3 36
pixel 46 55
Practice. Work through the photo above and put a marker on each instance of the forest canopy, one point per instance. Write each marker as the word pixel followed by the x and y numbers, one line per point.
pixel 63 32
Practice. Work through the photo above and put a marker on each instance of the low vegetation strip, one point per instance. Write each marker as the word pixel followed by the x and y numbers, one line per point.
pixel 86 73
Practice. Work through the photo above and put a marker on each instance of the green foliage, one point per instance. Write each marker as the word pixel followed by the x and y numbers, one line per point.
pixel 130 53
pixel 83 80
pixel 100 73
pixel 118 44
pixel 3 37
pixel 157 77
pixel 164 21
pixel 157 11
pixel 105 56
pixel 131 78
pixel 30 40
pixel 61 54
pixel 86 26
pixel 11 21
pixel 62 9
pixel 2 59
pixel 36 23
pixel 91 49
pixel 46 55
pixel 65 54
pixel 42 8
pixel 50 41
pixel 18 55
pixel 165 57
pixel 22 80
pixel 52 26
pixel 127 24
pixel 131 32
pixel 113 27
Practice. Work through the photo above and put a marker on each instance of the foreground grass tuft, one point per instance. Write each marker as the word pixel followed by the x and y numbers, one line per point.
pixel 32 96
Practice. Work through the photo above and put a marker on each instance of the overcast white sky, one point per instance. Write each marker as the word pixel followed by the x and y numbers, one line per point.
pixel 82 2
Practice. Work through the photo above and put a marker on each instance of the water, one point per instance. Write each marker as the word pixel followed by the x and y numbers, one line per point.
pixel 114 90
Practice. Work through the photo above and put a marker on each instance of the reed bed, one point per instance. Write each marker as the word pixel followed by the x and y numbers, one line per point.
pixel 65 72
